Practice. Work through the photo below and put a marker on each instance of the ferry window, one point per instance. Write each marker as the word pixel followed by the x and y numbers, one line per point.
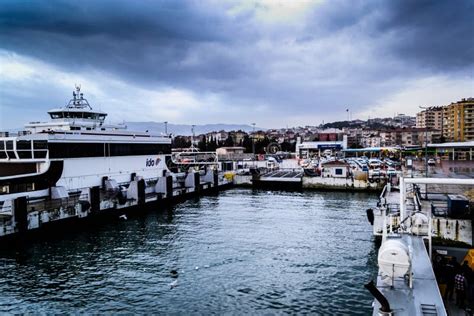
pixel 3 155
pixel 2 145
pixel 10 144
pixel 4 189
pixel 40 153
pixel 68 150
pixel 40 144
pixel 24 154
pixel 30 187
pixel 23 145
pixel 11 154
pixel 56 115
pixel 75 128
pixel 92 116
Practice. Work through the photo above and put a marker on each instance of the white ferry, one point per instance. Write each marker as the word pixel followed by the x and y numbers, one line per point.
pixel 76 149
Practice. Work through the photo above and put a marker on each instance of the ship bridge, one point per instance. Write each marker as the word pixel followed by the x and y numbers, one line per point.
pixel 76 115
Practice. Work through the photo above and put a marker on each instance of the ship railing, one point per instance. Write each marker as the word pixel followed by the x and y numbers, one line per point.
pixel 23 149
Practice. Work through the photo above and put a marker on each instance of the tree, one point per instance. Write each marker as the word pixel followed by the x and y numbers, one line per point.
pixel 212 144
pixel 288 147
pixel 247 143
pixel 229 142
pixel 180 142
pixel 202 144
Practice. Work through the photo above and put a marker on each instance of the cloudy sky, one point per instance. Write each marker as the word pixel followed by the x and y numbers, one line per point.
pixel 272 62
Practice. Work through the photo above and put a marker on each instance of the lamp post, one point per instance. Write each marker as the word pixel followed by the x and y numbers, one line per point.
pixel 166 128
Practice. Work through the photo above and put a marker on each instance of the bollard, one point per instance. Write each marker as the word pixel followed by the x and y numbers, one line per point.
pixel 141 192
pixel 197 182
pixel 169 186
pixel 216 179
pixel 20 214
pixel 95 199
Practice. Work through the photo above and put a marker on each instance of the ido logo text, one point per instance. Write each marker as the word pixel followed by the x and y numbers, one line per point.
pixel 150 162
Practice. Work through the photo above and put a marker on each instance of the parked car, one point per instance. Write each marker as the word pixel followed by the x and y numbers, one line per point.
pixel 391 170
pixel 374 173
pixel 431 162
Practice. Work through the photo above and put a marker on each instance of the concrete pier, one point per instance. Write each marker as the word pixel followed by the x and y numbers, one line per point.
pixel 25 217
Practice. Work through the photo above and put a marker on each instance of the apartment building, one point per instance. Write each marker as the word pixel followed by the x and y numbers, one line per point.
pixel 431 118
pixel 458 121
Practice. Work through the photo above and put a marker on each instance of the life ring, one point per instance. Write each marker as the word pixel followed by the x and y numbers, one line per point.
pixel 377 180
pixel 371 180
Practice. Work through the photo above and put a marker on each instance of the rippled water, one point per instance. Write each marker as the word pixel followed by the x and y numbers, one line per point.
pixel 240 252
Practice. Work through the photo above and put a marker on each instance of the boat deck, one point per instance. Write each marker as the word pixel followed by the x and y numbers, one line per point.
pixel 424 297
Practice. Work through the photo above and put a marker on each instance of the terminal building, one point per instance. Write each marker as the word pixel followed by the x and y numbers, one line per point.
pixel 318 148
pixel 454 150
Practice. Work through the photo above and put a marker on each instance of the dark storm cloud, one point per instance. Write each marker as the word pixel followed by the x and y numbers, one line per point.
pixel 434 34
pixel 439 34
pixel 340 53
pixel 146 40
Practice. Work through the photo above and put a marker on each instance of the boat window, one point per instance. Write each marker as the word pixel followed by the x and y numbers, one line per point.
pixel 102 117
pixel 40 144
pixel 90 116
pixel 56 115
pixel 4 189
pixel 3 155
pixel 2 145
pixel 23 145
pixel 26 154
pixel 9 144
pixel 11 154
pixel 68 150
pixel 75 128
pixel 40 153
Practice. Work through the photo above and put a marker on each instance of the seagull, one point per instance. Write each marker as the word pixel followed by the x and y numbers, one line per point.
pixel 123 216
pixel 174 284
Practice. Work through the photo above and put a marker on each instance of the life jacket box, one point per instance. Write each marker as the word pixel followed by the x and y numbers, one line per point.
pixel 458 205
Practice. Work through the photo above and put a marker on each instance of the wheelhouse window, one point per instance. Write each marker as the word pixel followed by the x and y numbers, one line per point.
pixel 57 115
pixel 4 189
pixel 3 154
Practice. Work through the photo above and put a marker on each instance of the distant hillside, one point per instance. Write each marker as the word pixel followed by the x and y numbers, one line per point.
pixel 183 129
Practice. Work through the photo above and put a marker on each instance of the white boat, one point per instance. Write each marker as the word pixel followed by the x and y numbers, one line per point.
pixel 76 149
